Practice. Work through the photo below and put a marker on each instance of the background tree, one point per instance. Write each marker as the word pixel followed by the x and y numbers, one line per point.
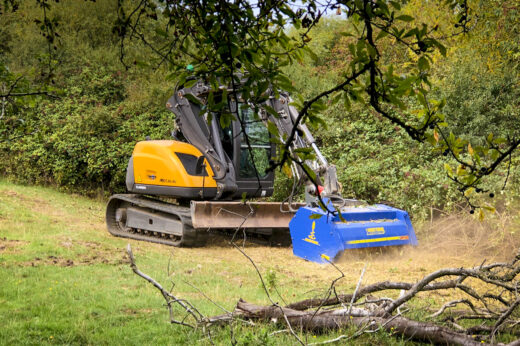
pixel 379 84
pixel 221 39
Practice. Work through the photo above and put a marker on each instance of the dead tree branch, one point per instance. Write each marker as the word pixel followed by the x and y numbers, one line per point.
pixel 170 298
pixel 486 315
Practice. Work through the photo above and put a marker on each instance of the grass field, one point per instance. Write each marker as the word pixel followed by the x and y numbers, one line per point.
pixel 65 280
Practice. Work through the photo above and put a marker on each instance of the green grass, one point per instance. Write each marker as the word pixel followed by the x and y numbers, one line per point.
pixel 94 299
pixel 65 280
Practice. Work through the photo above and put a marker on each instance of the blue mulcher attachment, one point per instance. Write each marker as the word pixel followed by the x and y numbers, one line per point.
pixel 319 236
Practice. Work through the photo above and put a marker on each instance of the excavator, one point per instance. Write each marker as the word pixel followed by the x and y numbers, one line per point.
pixel 211 175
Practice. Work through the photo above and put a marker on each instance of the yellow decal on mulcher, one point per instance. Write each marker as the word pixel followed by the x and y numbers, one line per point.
pixel 375 231
pixel 311 238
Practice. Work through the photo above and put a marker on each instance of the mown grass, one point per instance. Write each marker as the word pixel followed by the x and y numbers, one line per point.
pixel 65 280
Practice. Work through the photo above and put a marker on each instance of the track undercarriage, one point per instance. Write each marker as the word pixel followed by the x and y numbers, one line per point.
pixel 143 218
pixel 147 219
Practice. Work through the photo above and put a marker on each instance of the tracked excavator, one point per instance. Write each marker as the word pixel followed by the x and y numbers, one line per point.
pixel 210 176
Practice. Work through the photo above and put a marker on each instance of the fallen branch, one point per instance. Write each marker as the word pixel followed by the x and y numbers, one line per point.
pixel 334 319
pixel 170 298
pixel 377 313
pixel 504 316
pixel 363 291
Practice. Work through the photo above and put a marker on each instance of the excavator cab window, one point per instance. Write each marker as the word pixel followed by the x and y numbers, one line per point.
pixel 226 137
pixel 258 136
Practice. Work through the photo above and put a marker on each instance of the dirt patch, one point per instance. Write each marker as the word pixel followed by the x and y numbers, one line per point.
pixel 11 246
pixel 50 260
pixel 108 257
pixel 92 245
pixel 129 311
pixel 36 202
pixel 88 219
pixel 447 242
pixel 91 253
pixel 37 205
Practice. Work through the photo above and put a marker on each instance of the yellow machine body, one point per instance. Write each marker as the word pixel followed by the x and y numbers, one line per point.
pixel 159 163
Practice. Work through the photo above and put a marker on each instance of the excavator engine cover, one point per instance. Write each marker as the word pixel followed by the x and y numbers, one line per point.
pixel 168 168
pixel 319 236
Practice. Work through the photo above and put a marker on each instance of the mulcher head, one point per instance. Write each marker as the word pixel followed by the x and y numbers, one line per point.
pixel 320 237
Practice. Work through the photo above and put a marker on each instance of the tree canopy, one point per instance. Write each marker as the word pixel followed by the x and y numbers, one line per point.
pixel 445 74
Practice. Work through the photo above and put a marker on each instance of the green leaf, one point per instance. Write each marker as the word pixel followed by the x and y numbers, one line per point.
pixel 346 102
pixel 226 119
pixel 346 34
pixel 271 110
pixel 477 159
pixel 309 172
pixel 141 63
pixel 405 18
pixel 422 101
pixel 315 216
pixel 160 32
pixel 381 35
pixel 460 172
pixel 441 47
pixel 411 32
pixel 210 99
pixel 311 53
pixel 423 63
pixel 489 208
pixel 448 169
pixel 335 99
pixel 190 83
pixel 341 218
pixel 371 51
pixel 273 130
pixel 193 99
pixel 396 5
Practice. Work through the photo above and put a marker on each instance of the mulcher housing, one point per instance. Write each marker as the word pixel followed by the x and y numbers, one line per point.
pixel 319 236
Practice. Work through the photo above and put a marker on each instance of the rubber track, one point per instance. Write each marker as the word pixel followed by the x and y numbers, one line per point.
pixel 190 237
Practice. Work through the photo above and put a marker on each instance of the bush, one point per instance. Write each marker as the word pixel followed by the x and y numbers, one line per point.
pixel 83 141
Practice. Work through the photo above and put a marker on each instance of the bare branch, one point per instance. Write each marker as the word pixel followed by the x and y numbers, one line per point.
pixel 170 298
pixel 356 290
pixel 451 304
pixel 504 317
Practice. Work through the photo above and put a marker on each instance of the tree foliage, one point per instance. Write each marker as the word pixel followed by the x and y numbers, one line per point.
pixel 221 39
pixel 385 74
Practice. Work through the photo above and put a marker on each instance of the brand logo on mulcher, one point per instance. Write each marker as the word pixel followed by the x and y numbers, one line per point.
pixel 375 230
pixel 311 238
